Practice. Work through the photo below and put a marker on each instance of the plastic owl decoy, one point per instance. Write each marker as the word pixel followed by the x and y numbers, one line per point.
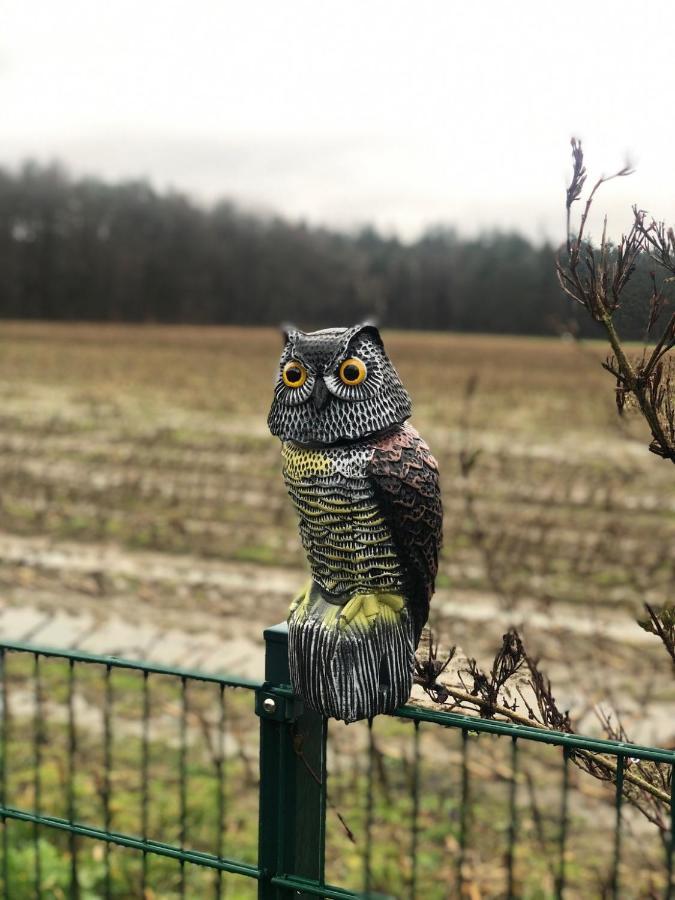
pixel 365 487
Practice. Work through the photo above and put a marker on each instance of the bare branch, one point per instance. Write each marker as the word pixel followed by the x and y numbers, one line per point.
pixel 646 786
pixel 597 278
pixel 662 624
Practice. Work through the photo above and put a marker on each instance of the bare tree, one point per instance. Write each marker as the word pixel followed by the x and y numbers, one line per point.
pixel 596 278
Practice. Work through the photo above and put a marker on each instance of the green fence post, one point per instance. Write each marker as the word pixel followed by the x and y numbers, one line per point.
pixel 292 801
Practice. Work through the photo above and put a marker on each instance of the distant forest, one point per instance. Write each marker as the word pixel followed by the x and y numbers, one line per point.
pixel 83 249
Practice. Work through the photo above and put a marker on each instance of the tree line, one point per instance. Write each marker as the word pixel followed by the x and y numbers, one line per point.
pixel 84 249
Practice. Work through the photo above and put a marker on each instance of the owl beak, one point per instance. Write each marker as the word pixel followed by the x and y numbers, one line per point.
pixel 320 395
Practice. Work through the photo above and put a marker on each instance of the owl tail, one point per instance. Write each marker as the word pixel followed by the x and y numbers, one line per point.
pixel 352 661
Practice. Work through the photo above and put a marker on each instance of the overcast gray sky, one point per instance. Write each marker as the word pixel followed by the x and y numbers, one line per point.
pixel 346 111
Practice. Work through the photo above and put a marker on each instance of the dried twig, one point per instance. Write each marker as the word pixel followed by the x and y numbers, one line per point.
pixel 484 698
pixel 662 624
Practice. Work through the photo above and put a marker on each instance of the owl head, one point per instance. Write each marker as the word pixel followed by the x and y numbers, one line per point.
pixel 334 386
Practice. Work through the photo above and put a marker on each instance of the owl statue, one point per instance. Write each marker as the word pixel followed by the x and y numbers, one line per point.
pixel 365 487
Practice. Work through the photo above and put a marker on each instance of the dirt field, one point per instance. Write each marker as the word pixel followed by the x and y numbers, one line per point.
pixel 138 475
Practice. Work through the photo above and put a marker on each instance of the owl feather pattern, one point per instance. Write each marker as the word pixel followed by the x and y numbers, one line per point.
pixel 365 487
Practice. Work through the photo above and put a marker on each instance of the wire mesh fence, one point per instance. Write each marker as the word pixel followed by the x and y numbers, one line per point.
pixel 494 810
pixel 119 777
pixel 124 779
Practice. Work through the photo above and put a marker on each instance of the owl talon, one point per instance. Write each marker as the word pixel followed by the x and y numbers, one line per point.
pixel 302 598
pixel 349 611
pixel 393 601
pixel 370 608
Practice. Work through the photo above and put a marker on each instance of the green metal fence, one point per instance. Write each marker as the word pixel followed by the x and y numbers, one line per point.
pixel 126 779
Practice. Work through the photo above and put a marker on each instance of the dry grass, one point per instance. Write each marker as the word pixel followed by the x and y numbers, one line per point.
pixel 155 438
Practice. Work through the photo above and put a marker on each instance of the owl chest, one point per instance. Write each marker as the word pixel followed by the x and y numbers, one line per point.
pixel 329 489
pixel 347 539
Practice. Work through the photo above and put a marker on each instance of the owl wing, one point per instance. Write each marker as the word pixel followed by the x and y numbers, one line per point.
pixel 404 475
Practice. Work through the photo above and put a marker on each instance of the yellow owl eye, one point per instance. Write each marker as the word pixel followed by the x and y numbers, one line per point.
pixel 353 371
pixel 294 374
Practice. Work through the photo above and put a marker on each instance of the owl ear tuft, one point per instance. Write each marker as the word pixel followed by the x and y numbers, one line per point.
pixel 370 327
pixel 287 330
